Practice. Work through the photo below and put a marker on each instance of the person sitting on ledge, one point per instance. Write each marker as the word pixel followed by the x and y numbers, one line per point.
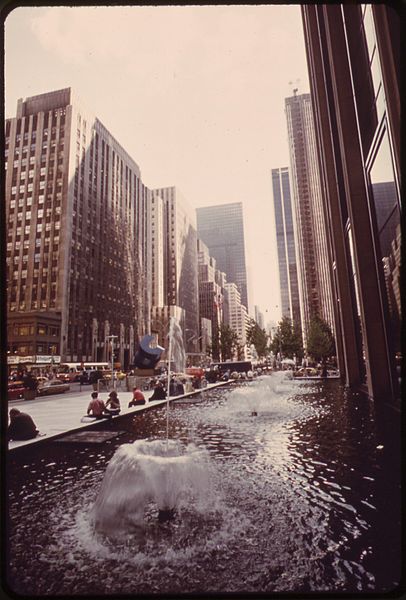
pixel 159 392
pixel 112 405
pixel 138 398
pixel 180 387
pixel 96 407
pixel 21 427
pixel 173 387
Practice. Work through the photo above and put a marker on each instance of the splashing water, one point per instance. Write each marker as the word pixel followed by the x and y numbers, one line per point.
pixel 176 354
pixel 149 471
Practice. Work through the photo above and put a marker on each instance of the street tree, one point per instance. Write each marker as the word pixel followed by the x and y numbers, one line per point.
pixel 225 344
pixel 287 340
pixel 259 338
pixel 320 339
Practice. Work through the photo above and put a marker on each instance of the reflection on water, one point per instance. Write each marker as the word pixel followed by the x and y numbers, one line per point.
pixel 304 496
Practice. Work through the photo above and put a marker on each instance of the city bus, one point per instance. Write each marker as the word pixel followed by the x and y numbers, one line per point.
pixel 73 371
pixel 241 366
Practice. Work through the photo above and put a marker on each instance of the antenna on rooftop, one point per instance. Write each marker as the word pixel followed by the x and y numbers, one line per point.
pixel 294 85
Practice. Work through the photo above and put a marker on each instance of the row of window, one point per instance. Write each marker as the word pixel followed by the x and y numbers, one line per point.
pixel 35 304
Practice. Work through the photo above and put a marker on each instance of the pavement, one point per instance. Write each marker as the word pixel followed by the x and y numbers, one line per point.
pixel 59 414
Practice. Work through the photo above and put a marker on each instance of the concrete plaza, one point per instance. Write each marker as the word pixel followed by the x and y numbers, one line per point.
pixel 59 414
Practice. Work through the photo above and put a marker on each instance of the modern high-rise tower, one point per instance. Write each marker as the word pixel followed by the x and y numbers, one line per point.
pixel 353 54
pixel 314 266
pixel 174 255
pixel 221 228
pixel 78 252
pixel 285 241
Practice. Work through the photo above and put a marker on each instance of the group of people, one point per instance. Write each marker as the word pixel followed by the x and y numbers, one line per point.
pixel 22 426
pixel 100 409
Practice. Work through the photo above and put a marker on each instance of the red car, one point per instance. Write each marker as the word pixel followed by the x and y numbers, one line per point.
pixel 15 390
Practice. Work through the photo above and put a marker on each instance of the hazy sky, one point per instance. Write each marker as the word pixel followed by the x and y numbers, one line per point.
pixel 195 94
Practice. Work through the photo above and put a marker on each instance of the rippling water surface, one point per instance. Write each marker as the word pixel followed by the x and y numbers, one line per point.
pixel 303 495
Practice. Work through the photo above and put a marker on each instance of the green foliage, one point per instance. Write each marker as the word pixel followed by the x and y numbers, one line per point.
pixel 259 338
pixel 287 339
pixel 320 339
pixel 226 342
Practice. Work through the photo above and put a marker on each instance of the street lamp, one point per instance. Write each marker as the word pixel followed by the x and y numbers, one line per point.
pixel 112 338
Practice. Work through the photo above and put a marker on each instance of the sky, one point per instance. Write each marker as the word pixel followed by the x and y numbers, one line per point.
pixel 195 94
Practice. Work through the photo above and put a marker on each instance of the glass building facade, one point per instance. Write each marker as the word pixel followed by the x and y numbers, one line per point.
pixel 312 251
pixel 353 53
pixel 285 241
pixel 221 228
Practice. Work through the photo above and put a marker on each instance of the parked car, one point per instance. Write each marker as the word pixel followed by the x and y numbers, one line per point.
pixel 64 377
pixel 52 387
pixel 15 390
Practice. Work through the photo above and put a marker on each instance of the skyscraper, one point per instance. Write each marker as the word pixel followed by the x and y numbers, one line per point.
pixel 285 241
pixel 78 253
pixel 221 228
pixel 314 265
pixel 176 221
pixel 212 299
pixel 237 317
pixel 353 53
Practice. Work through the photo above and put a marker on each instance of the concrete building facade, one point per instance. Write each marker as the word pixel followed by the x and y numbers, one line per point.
pixel 175 253
pixel 211 288
pixel 77 235
pixel 259 317
pixel 237 317
pixel 353 54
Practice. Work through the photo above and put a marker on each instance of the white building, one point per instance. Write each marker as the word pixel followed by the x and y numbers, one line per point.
pixel 237 317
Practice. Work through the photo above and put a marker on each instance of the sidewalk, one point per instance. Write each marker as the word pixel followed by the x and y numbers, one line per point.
pixel 60 414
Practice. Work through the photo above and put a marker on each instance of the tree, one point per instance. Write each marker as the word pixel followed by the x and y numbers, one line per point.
pixel 320 339
pixel 287 339
pixel 258 337
pixel 226 342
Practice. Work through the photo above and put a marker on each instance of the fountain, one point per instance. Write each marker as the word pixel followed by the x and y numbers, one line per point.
pixel 295 496
pixel 160 472
pixel 157 471
pixel 176 354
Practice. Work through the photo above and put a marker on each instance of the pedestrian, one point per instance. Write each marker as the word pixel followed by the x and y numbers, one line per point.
pixel 159 392
pixel 21 426
pixel 138 398
pixel 30 382
pixel 173 387
pixel 180 387
pixel 112 405
pixel 96 407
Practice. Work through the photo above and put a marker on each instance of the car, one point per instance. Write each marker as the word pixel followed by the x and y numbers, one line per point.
pixel 64 377
pixel 52 387
pixel 15 390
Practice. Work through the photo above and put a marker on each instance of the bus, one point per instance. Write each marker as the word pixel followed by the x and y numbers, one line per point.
pixel 241 366
pixel 73 371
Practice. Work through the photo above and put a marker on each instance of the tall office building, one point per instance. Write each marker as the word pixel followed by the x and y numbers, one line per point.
pixel 285 241
pixel 237 317
pixel 77 237
pixel 173 217
pixel 211 290
pixel 314 267
pixel 259 317
pixel 354 66
pixel 221 228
